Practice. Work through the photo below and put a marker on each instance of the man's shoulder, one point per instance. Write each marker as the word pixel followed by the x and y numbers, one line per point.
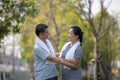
pixel 36 46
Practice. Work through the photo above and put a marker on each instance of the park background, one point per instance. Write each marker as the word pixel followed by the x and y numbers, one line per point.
pixel 99 20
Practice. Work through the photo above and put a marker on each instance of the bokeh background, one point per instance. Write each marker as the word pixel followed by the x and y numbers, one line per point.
pixel 99 20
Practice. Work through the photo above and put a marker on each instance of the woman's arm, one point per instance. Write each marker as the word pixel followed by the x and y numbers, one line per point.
pixel 71 63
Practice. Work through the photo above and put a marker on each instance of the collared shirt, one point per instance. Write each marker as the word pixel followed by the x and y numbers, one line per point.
pixel 43 69
pixel 72 74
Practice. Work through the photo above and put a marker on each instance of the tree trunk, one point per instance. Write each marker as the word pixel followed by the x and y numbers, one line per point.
pixel 102 70
pixel 32 68
pixel 97 74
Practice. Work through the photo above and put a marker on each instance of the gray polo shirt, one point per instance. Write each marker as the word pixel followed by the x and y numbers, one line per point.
pixel 43 70
pixel 72 74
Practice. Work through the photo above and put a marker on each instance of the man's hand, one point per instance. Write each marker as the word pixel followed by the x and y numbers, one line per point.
pixel 58 54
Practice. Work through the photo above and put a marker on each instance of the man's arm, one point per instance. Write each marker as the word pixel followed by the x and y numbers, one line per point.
pixel 53 59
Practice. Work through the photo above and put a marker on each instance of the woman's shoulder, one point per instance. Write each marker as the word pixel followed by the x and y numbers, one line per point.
pixel 67 44
pixel 79 47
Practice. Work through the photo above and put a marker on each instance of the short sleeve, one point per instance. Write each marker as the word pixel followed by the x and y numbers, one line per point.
pixel 78 53
pixel 41 53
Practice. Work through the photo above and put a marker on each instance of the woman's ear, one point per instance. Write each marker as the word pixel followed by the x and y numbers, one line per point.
pixel 77 37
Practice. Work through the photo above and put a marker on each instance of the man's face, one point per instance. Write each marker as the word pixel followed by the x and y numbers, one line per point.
pixel 44 35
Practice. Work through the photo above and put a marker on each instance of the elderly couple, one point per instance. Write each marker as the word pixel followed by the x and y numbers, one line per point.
pixel 69 58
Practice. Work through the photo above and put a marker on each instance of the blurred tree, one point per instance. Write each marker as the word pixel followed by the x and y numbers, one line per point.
pixel 98 25
pixel 12 15
pixel 108 38
pixel 27 43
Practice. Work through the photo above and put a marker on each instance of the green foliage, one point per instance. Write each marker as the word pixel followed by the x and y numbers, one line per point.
pixel 87 49
pixel 108 35
pixel 27 39
pixel 63 40
pixel 12 15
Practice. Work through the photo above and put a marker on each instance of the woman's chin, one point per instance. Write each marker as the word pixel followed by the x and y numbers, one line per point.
pixel 69 40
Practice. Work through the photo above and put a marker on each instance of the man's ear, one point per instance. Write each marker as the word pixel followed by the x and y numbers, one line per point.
pixel 39 34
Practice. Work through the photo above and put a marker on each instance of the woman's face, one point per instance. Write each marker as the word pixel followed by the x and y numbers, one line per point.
pixel 71 36
pixel 44 35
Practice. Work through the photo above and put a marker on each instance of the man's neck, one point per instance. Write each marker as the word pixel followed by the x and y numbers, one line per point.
pixel 44 40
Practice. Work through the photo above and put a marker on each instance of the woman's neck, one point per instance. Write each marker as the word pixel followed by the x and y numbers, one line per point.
pixel 73 42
